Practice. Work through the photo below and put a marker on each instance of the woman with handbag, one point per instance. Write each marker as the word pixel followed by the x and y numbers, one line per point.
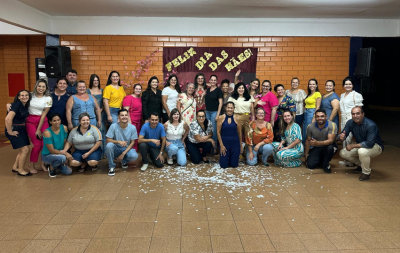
pixel 186 104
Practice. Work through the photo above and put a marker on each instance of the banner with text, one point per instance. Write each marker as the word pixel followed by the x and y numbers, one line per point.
pixel 220 61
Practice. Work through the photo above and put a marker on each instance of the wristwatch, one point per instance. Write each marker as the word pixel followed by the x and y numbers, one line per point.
pixel 160 152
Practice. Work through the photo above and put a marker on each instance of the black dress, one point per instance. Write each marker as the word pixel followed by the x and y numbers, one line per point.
pixel 151 102
pixel 18 124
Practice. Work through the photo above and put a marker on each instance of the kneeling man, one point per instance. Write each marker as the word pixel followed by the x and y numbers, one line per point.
pixel 152 139
pixel 121 137
pixel 368 142
pixel 321 142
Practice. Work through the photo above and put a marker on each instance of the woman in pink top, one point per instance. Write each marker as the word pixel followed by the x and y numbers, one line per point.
pixel 133 103
pixel 268 101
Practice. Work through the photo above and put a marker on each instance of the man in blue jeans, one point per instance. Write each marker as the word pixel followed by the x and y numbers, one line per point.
pixel 152 139
pixel 120 140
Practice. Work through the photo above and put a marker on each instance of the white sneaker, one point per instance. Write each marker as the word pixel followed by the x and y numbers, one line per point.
pixel 144 167
pixel 346 163
pixel 124 166
pixel 170 161
pixel 111 172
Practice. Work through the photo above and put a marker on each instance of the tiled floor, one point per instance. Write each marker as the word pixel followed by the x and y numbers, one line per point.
pixel 202 209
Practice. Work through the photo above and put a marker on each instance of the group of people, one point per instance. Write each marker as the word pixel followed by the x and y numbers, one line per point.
pixel 77 125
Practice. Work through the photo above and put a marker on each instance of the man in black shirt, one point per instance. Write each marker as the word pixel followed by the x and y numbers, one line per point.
pixel 369 143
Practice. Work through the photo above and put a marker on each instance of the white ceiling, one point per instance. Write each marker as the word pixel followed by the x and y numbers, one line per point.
pixel 359 9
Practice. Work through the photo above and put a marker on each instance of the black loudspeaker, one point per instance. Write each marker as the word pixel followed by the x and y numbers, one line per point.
pixel 365 62
pixel 58 61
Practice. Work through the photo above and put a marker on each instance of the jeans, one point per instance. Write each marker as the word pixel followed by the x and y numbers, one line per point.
pixel 265 150
pixel 299 119
pixel 176 148
pixel 145 149
pixel 113 151
pixel 114 115
pixel 321 156
pixel 308 116
pixel 211 116
pixel 194 150
pixel 57 162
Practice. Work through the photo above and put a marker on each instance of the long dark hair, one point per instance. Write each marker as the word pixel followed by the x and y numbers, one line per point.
pixel 246 94
pixel 282 124
pixel 205 119
pixel 92 77
pixel 177 87
pixel 149 82
pixel 16 99
pixel 258 87
pixel 195 80
pixel 171 120
pixel 308 86
pixel 109 81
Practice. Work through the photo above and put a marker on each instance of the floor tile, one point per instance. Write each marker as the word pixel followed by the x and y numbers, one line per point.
pixel 42 246
pixel 133 245
pixel 64 218
pixel 196 244
pixel 277 227
pixel 24 232
pixel 344 241
pixel 219 214
pixel 169 215
pixel 250 227
pixel 374 240
pixel 53 232
pixel 165 245
pixel 316 242
pixel 72 246
pixel 226 243
pixel 256 243
pixel 194 215
pixel 82 231
pixel 286 242
pixel 117 216
pixel 195 228
pixel 111 230
pixel 128 205
pixel 92 217
pixel 167 229
pixel 356 225
pixel 330 225
pixel 13 246
pixel 103 245
pixel 139 229
pixel 143 215
pixel 222 227
pixel 394 237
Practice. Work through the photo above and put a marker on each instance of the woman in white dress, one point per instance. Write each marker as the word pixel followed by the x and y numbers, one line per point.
pixel 348 101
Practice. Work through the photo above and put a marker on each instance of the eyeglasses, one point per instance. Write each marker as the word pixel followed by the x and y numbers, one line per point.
pixel 266 86
pixel 201 116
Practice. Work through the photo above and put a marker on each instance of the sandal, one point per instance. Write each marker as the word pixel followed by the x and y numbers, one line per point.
pixel 94 168
pixel 45 167
pixel 83 167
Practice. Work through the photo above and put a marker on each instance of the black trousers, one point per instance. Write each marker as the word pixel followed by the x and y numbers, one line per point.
pixel 145 149
pixel 321 156
pixel 194 150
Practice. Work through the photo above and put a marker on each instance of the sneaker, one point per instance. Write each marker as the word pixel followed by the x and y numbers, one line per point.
pixel 170 161
pixel 111 172
pixel 346 163
pixel 358 169
pixel 266 164
pixel 144 167
pixel 124 166
pixel 364 177
pixel 327 169
pixel 52 172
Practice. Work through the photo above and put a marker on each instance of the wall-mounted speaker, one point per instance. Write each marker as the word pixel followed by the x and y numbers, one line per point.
pixel 365 62
pixel 58 60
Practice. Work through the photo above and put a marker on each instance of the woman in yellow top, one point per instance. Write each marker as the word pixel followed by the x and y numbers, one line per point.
pixel 113 95
pixel 313 102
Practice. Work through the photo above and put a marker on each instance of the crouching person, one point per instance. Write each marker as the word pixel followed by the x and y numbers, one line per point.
pixel 87 140
pixel 53 152
pixel 121 137
pixel 152 139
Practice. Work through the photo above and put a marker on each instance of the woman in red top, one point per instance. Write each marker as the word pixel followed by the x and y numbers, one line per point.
pixel 133 103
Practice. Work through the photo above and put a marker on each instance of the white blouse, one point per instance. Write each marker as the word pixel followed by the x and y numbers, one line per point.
pixel 175 132
pixel 37 105
pixel 350 101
